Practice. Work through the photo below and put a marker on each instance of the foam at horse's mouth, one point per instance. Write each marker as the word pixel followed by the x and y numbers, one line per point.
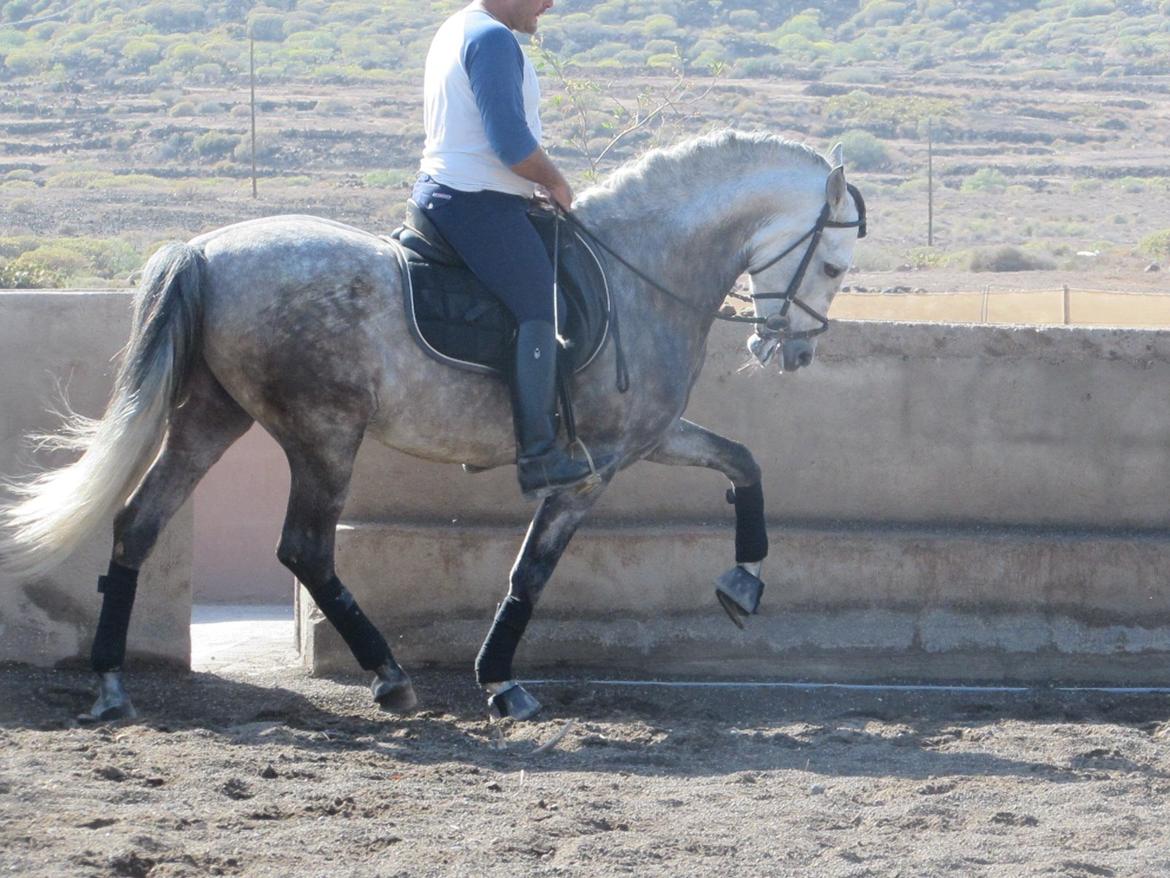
pixel 762 348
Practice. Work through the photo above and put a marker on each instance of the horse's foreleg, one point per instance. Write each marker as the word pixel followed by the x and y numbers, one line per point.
pixel 199 433
pixel 688 444
pixel 552 528
pixel 320 467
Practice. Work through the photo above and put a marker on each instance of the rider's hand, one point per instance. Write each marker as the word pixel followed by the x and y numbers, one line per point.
pixel 561 195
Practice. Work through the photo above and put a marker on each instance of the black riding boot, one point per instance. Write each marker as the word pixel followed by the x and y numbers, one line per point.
pixel 541 466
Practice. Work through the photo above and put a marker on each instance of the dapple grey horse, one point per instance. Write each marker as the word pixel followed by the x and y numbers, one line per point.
pixel 297 323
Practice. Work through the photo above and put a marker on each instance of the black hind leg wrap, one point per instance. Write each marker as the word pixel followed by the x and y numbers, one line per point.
pixel 118 588
pixel 751 533
pixel 494 662
pixel 364 640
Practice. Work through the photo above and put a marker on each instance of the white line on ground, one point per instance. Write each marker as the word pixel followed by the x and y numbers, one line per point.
pixel 858 687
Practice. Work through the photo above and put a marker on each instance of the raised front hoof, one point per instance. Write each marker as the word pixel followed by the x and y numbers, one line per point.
pixel 513 702
pixel 112 703
pixel 393 690
pixel 739 594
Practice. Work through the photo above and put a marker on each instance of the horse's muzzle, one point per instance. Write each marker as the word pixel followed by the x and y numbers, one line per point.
pixel 796 353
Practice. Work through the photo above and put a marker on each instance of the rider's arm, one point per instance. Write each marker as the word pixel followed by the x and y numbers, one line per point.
pixel 495 66
pixel 539 168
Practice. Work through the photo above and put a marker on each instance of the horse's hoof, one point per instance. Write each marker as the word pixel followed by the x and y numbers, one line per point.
pixel 393 690
pixel 513 702
pixel 112 702
pixel 739 594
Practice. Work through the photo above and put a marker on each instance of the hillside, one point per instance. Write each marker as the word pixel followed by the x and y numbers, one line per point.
pixel 126 123
pixel 171 42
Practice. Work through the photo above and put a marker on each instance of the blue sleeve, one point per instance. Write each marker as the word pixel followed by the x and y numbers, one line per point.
pixel 495 65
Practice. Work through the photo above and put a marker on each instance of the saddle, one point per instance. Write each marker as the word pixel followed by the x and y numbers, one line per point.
pixel 459 323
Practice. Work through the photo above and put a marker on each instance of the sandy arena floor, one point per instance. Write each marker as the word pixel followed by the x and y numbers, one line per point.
pixel 250 767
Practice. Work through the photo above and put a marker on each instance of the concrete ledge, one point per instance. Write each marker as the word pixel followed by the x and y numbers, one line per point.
pixel 859 604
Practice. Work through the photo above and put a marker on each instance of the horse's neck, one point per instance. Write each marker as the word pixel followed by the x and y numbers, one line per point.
pixel 696 250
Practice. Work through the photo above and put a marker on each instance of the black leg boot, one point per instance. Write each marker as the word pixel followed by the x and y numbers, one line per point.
pixel 541 466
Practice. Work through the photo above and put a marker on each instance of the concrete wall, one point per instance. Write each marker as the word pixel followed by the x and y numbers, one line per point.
pixel 239 511
pixel 944 502
pixel 69 338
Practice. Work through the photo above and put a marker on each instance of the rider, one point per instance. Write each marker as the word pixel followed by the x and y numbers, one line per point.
pixel 481 165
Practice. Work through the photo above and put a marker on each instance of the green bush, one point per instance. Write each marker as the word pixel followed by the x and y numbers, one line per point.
pixel 394 179
pixel 266 27
pixel 1088 8
pixel 175 17
pixel 28 60
pixel 266 149
pixel 985 180
pixel 214 144
pixel 22 275
pixel 863 151
pixel 744 19
pixel 1156 244
pixel 1007 258
pixel 140 55
pixel 885 115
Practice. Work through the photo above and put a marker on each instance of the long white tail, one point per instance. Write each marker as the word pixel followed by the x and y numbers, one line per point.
pixel 53 512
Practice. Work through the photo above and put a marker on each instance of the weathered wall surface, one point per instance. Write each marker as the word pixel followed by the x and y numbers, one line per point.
pixel 69 338
pixel 944 502
pixel 894 423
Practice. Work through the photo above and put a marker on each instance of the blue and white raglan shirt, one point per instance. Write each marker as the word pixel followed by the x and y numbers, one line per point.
pixel 481 105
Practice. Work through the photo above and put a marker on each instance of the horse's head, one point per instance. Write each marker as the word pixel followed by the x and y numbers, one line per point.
pixel 798 261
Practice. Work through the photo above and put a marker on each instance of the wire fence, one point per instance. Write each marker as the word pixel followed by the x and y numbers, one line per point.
pixel 1069 306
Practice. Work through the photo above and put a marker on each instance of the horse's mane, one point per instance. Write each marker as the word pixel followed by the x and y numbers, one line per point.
pixel 659 175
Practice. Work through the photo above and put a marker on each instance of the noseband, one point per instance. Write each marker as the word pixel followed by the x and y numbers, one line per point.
pixel 776 326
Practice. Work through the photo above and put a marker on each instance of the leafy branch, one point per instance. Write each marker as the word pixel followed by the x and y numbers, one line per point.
pixel 673 103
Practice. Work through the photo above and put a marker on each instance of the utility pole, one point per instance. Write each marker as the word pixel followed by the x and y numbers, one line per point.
pixel 252 77
pixel 929 182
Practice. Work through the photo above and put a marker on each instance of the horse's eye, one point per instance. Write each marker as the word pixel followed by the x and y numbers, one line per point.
pixel 832 270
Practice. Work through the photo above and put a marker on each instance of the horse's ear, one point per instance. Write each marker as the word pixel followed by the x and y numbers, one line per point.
pixel 836 191
pixel 837 155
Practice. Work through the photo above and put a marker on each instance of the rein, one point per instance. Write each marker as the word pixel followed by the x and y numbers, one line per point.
pixel 777 325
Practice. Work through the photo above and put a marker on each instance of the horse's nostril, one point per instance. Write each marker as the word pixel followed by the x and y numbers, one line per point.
pixel 805 358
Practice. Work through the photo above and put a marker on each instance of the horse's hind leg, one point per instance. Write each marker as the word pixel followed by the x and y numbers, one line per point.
pixel 552 528
pixel 688 444
pixel 321 462
pixel 198 434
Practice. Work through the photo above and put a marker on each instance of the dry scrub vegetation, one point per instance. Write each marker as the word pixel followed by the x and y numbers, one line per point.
pixel 125 124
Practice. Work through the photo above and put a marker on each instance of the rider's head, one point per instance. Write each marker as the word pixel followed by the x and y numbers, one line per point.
pixel 519 15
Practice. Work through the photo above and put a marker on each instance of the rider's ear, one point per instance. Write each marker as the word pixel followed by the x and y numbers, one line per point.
pixel 836 192
pixel 837 155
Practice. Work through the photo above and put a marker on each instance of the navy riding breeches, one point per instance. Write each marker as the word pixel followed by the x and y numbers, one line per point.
pixel 493 234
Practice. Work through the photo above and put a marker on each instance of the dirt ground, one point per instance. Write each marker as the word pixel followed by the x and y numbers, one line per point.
pixel 274 773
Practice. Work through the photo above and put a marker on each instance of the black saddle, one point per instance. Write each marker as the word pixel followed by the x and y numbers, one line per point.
pixel 458 322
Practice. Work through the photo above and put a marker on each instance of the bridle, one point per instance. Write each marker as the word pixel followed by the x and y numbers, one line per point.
pixel 778 326
pixel 775 327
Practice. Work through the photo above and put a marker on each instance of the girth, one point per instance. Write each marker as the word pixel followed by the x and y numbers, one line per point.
pixel 458 322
